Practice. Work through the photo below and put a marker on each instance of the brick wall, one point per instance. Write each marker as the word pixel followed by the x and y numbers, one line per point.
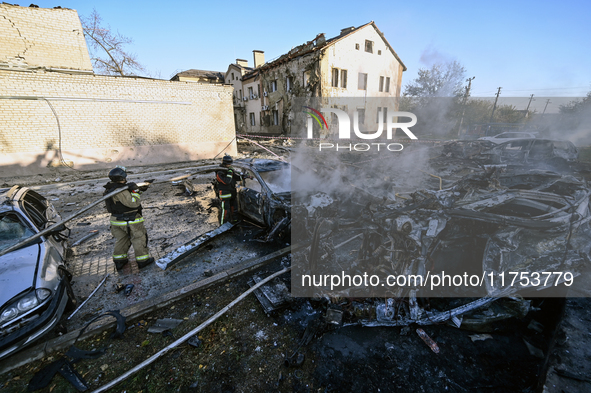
pixel 106 120
pixel 41 37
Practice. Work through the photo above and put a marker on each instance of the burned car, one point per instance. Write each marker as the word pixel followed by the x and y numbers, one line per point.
pixel 500 235
pixel 35 288
pixel 532 151
pixel 265 195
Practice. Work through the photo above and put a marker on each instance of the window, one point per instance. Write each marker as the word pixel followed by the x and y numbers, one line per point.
pixel 379 52
pixel 361 112
pixel 252 183
pixel 288 83
pixel 253 120
pixel 274 85
pixel 362 82
pixel 369 46
pixel 259 90
pixel 381 83
pixel 357 46
pixel 240 94
pixel 232 76
pixel 335 77
pixel 275 118
pixel 250 92
pixel 306 78
pixel 387 87
pixel 344 79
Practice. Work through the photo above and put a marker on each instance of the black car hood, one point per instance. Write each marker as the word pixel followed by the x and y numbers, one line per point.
pixel 17 271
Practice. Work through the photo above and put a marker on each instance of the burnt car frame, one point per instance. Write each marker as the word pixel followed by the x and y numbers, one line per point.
pixel 34 283
pixel 532 150
pixel 489 224
pixel 263 194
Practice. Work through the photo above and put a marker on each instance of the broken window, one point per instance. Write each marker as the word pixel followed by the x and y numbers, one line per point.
pixel 306 78
pixel 275 118
pixel 335 77
pixel 369 46
pixel 381 83
pixel 288 83
pixel 12 230
pixel 253 120
pixel 387 87
pixel 344 79
pixel 252 182
pixel 274 85
pixel 361 112
pixel 362 82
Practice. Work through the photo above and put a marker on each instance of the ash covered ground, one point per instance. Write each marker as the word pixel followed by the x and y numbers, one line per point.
pixel 295 348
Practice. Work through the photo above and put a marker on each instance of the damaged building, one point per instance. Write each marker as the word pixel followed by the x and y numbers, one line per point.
pixel 357 63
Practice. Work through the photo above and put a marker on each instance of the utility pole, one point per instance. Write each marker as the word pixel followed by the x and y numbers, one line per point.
pixel 528 104
pixel 547 102
pixel 469 80
pixel 495 105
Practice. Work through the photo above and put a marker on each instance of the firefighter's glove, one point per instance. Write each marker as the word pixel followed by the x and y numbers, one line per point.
pixel 132 186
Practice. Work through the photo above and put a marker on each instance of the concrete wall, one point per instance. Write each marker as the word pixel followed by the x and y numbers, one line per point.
pixel 41 37
pixel 106 120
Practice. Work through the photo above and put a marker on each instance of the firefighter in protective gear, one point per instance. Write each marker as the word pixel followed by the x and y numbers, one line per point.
pixel 226 191
pixel 127 222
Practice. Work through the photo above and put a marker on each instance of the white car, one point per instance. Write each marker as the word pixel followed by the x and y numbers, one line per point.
pixel 507 136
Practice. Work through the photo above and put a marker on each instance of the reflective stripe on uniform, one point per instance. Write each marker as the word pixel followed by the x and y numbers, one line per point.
pixel 223 213
pixel 120 256
pixel 225 195
pixel 136 195
pixel 142 257
pixel 124 223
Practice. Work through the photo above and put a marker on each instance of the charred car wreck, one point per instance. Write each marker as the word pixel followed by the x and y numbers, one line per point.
pixel 467 254
pixel 264 194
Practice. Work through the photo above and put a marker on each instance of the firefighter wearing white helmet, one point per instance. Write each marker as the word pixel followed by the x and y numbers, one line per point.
pixel 127 222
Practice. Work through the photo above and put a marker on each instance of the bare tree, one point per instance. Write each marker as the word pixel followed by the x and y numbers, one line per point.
pixel 106 49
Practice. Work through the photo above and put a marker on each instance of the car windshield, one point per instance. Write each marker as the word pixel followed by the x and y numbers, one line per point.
pixel 279 181
pixel 12 230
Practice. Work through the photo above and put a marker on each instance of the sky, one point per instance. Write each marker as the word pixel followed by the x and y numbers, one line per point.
pixel 526 47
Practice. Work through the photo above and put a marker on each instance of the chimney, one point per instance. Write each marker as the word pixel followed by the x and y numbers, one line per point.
pixel 347 30
pixel 259 58
pixel 242 62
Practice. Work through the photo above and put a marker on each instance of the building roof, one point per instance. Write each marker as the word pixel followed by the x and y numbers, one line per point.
pixel 214 76
pixel 319 42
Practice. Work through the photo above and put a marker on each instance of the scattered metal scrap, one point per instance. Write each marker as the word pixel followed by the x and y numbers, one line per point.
pixel 164 324
pixel 89 296
pixel 506 221
pixel 191 246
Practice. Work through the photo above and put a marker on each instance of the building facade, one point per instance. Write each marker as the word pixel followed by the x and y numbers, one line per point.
pixel 358 63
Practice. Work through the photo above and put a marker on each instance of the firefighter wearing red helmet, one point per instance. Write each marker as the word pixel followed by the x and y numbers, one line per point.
pixel 127 222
